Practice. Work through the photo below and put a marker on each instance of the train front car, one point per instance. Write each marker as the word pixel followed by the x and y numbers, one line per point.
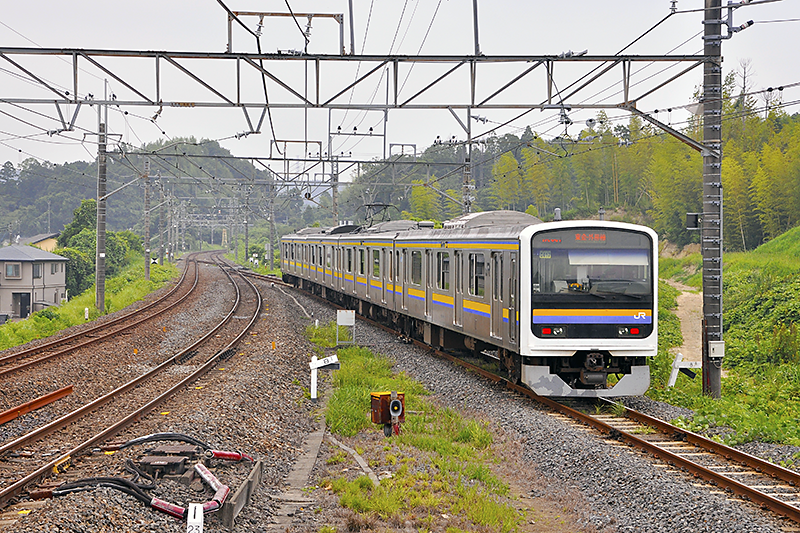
pixel 591 291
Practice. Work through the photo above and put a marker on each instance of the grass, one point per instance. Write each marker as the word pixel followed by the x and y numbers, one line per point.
pixel 441 463
pixel 761 384
pixel 121 291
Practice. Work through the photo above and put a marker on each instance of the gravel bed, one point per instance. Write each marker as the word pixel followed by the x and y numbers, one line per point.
pixel 255 403
pixel 121 359
pixel 611 487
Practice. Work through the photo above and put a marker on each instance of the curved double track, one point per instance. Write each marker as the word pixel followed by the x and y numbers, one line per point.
pixel 99 332
pixel 156 397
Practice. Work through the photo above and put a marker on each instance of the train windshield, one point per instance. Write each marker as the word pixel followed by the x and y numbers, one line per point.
pixel 591 265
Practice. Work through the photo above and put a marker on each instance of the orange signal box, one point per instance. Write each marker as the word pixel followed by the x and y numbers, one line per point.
pixel 381 407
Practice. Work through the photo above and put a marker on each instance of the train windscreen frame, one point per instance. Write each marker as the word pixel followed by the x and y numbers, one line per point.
pixel 592 283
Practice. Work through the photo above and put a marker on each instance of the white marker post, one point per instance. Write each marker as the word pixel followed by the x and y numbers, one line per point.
pixel 328 363
pixel 194 519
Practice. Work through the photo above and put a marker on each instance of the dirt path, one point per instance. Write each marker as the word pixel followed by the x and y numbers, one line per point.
pixel 690 313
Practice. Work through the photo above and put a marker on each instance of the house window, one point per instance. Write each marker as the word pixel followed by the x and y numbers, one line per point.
pixel 53 268
pixel 416 268
pixel 443 271
pixel 13 270
pixel 37 270
pixel 476 275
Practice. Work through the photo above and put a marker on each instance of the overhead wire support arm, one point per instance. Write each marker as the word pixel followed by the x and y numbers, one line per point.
pixel 697 145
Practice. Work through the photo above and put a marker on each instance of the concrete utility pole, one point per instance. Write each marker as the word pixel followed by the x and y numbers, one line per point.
pixel 147 219
pixel 711 220
pixel 161 224
pixel 100 255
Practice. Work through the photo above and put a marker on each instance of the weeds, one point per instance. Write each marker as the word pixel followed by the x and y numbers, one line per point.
pixel 440 463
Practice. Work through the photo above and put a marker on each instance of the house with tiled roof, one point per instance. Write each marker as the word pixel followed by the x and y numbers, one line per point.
pixel 45 241
pixel 30 280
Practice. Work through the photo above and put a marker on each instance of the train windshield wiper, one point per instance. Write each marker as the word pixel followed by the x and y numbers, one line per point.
pixel 628 288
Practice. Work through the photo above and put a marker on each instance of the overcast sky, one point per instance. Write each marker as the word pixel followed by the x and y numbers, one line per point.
pixel 506 27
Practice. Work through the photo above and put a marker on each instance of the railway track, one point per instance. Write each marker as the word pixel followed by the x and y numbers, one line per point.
pixel 53 447
pixel 752 478
pixel 47 351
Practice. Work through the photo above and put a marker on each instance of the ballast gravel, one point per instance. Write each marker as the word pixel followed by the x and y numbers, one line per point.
pixel 617 487
pixel 256 403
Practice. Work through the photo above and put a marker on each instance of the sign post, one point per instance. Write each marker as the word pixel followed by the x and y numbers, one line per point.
pixel 346 318
pixel 327 363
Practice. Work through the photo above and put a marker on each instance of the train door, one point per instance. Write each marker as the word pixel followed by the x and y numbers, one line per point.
pixel 512 299
pixel 399 285
pixel 428 281
pixel 404 266
pixel 458 309
pixel 496 326
pixel 385 273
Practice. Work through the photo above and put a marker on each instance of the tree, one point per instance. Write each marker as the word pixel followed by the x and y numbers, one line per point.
pixel 507 187
pixel 132 240
pixel 8 172
pixel 536 179
pixel 79 272
pixel 116 249
pixel 84 217
pixel 424 202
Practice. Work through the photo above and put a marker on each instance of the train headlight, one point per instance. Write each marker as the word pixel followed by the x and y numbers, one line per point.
pixel 556 331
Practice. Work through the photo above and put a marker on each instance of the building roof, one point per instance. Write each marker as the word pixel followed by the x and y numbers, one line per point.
pixel 38 238
pixel 18 252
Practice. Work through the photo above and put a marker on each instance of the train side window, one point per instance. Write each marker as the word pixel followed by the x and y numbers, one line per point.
pixel 328 256
pixel 362 269
pixel 376 263
pixel 416 267
pixel 313 255
pixel 443 271
pixel 319 255
pixel 349 259
pixel 477 276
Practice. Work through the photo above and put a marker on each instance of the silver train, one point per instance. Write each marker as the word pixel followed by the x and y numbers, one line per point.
pixel 568 308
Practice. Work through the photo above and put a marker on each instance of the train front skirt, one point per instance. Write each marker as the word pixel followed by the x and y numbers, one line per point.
pixel 543 383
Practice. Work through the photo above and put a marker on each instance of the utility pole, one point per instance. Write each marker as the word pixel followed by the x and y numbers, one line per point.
pixel 147 219
pixel 711 221
pixel 335 188
pixel 160 221
pixel 100 256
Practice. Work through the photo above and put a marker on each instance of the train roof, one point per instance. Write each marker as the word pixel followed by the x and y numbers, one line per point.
pixel 485 224
pixel 491 218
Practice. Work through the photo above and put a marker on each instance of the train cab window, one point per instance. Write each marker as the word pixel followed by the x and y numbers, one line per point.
pixel 443 271
pixel 416 268
pixel 349 262
pixel 376 263
pixel 477 276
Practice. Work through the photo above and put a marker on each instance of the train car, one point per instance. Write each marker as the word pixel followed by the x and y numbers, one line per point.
pixel 568 308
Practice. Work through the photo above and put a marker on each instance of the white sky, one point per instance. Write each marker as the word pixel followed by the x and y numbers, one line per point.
pixel 513 27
